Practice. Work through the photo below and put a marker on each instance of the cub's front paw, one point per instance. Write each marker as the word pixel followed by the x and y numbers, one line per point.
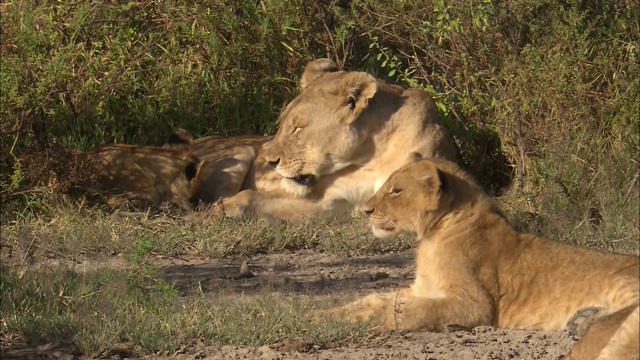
pixel 376 315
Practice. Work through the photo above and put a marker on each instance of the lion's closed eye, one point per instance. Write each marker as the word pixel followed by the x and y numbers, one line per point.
pixel 394 192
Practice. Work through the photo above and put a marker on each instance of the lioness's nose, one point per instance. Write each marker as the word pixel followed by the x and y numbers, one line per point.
pixel 368 211
pixel 274 163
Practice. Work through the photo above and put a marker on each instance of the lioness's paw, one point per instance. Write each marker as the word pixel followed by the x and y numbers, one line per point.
pixel 216 210
pixel 221 209
pixel 358 314
pixel 343 314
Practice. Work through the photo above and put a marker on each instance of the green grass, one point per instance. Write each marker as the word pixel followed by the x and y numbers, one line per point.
pixel 100 311
pixel 124 305
pixel 535 92
pixel 75 232
pixel 48 296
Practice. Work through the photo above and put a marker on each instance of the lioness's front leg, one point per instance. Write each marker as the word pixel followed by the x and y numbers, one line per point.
pixel 269 204
pixel 406 311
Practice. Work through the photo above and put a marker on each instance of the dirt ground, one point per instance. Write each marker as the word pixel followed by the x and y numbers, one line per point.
pixel 322 275
pixel 481 343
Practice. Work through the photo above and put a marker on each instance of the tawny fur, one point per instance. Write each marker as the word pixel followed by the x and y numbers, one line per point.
pixel 346 132
pixel 474 269
pixel 230 162
pixel 146 175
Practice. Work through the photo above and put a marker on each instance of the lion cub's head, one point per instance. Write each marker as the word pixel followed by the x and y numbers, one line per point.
pixel 319 131
pixel 415 197
pixel 147 175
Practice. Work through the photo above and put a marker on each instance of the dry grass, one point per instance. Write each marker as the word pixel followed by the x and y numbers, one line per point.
pixel 49 297
pixel 75 232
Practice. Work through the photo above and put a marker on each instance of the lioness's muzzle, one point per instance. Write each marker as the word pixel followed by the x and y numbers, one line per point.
pixel 304 180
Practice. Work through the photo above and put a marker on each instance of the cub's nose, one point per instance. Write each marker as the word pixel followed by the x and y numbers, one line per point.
pixel 274 163
pixel 368 211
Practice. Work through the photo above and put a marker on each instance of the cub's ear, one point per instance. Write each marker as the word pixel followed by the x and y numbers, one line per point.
pixel 435 179
pixel 179 137
pixel 315 69
pixel 444 183
pixel 416 156
pixel 195 173
pixel 357 88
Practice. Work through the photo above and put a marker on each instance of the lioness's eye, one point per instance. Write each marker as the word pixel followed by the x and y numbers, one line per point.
pixel 295 130
pixel 394 192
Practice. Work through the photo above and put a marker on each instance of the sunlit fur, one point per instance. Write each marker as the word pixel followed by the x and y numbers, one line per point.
pixel 146 175
pixel 474 268
pixel 350 131
pixel 295 189
pixel 346 131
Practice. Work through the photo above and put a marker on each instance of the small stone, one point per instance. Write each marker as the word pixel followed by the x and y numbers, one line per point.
pixel 244 270
pixel 268 353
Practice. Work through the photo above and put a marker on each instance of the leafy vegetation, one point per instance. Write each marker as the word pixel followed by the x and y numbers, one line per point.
pixel 540 95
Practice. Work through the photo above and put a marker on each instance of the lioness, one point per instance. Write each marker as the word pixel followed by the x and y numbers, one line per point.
pixel 231 162
pixel 146 175
pixel 474 269
pixel 338 141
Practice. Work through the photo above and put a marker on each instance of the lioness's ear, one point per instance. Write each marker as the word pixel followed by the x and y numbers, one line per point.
pixel 357 88
pixel 191 170
pixel 315 69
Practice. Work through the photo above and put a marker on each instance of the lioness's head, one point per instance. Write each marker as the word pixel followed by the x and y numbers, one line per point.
pixel 415 196
pixel 319 130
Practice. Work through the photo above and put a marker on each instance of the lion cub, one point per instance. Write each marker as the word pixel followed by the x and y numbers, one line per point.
pixel 145 175
pixel 473 268
pixel 230 161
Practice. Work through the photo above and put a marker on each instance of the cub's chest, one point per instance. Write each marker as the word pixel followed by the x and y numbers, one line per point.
pixel 430 271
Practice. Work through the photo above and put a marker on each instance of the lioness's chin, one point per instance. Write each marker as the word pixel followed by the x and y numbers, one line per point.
pixel 383 233
pixel 294 188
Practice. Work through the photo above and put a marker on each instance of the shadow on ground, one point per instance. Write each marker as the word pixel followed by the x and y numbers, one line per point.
pixel 302 272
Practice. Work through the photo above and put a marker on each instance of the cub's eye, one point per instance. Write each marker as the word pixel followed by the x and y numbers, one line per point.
pixel 394 192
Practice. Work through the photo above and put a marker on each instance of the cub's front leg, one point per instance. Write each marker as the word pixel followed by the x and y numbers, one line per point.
pixel 403 310
pixel 380 310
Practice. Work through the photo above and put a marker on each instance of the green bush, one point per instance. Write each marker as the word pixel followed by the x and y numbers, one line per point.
pixel 539 94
